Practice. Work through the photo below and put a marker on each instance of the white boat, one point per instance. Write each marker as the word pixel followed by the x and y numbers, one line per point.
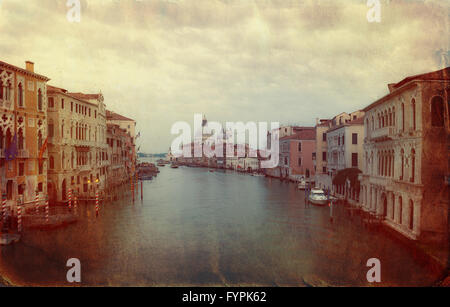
pixel 318 197
pixel 302 184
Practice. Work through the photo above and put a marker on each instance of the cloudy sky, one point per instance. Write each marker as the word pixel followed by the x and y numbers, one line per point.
pixel 161 61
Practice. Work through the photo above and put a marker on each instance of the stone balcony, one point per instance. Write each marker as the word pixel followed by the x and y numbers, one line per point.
pixel 381 134
pixel 23 153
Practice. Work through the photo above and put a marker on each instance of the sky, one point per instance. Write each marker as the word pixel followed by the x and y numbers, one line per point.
pixel 287 61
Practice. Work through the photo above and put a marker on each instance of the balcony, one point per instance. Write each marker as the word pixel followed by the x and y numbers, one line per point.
pixel 23 153
pixel 382 133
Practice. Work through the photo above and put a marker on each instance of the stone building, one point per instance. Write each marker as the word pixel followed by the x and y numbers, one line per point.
pixel 406 156
pixel 77 143
pixel 129 125
pixel 320 163
pixel 118 141
pixel 340 146
pixel 23 132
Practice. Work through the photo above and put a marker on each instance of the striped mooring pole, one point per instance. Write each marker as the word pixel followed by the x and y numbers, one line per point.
pixel 47 209
pixel 36 202
pixel 4 207
pixel 19 216
pixel 70 198
pixel 96 203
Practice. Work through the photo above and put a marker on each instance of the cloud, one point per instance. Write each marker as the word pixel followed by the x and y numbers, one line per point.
pixel 161 61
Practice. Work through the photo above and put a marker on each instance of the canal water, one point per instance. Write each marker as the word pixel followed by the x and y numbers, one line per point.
pixel 200 228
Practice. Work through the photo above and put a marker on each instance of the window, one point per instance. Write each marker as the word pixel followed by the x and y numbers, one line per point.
pixel 413 107
pixel 403 116
pixel 299 146
pixel 20 97
pixel 299 161
pixel 400 209
pixel 413 165
pixel 354 138
pixel 71 106
pixel 324 156
pixel 411 214
pixel 50 130
pixel 21 169
pixel 62 104
pixel 324 137
pixel 437 111
pixel 324 169
pixel 403 165
pixel 95 113
pixel 354 159
pixel 52 162
pixel 343 140
pixel 51 102
pixel 40 187
pixel 40 100
pixel 41 168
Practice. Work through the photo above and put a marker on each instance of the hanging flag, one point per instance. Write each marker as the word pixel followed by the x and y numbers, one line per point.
pixel 41 152
pixel 11 152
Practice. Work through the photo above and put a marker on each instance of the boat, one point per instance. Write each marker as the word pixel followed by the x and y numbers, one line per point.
pixel 258 175
pixel 302 184
pixel 173 165
pixel 161 164
pixel 211 171
pixel 317 197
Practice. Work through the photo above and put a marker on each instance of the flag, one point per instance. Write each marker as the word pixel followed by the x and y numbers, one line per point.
pixel 41 152
pixel 11 152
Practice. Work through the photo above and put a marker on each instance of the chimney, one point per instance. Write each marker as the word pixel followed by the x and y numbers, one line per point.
pixel 29 66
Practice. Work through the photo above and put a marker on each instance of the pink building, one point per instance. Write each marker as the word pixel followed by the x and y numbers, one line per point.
pixel 297 154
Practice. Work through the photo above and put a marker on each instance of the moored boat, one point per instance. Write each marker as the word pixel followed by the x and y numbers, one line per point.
pixel 317 197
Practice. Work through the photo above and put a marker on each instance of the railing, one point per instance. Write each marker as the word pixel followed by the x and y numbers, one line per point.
pixel 382 132
pixel 23 153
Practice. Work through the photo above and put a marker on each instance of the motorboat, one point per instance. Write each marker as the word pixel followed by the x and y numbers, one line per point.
pixel 318 197
pixel 302 184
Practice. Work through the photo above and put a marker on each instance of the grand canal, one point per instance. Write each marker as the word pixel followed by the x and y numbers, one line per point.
pixel 200 228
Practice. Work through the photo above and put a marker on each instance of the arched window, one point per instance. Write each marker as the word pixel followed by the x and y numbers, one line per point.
pixel 393 116
pixel 21 139
pixel 393 207
pixel 390 117
pixel 411 214
pixel 20 95
pixel 8 90
pixel 413 109
pixel 2 95
pixel 52 162
pixel 40 100
pixel 413 165
pixel 393 164
pixel 373 123
pixel 63 158
pixel 403 164
pixel 400 209
pixel 403 117
pixel 437 111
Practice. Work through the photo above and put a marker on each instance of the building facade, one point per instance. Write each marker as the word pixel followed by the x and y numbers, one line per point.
pixel 297 154
pixel 23 132
pixel 406 154
pixel 78 155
